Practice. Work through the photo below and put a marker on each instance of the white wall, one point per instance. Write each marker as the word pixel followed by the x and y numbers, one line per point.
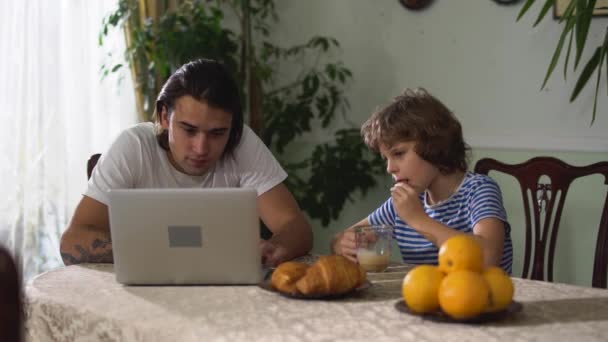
pixel 471 54
pixel 488 69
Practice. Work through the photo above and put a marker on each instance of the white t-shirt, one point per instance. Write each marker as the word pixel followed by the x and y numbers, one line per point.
pixel 135 160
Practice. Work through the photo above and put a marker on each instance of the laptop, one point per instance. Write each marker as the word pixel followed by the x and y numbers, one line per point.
pixel 185 236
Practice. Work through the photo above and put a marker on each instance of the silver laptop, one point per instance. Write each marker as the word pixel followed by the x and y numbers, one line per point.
pixel 185 236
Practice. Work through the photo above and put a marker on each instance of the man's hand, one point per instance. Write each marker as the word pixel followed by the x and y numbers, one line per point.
pixel 272 255
pixel 291 232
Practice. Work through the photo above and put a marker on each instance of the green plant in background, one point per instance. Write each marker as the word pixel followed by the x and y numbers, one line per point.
pixel 156 48
pixel 281 110
pixel 576 21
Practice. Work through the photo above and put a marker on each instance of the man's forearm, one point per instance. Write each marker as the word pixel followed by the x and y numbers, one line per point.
pixel 86 244
pixel 297 240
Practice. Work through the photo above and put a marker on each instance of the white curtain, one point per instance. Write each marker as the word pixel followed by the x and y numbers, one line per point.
pixel 56 112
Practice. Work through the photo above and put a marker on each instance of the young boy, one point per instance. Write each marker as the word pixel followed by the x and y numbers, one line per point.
pixel 434 197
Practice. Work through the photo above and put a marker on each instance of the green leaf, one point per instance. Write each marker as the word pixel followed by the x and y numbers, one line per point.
pixel 323 43
pixel 568 12
pixel 568 55
pixel 606 46
pixel 603 54
pixel 597 84
pixel 116 67
pixel 583 20
pixel 524 9
pixel 548 4
pixel 587 71
pixel 330 69
pixel 558 51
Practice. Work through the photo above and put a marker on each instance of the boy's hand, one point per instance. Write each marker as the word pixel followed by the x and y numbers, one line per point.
pixel 345 244
pixel 407 203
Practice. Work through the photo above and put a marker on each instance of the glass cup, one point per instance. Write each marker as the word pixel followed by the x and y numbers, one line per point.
pixel 374 246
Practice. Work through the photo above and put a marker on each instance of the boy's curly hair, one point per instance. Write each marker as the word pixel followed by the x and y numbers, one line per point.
pixel 417 116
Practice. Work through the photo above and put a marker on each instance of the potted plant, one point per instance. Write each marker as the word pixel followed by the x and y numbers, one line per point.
pixel 280 110
pixel 576 20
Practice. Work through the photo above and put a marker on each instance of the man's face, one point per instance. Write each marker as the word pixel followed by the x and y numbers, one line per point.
pixel 198 135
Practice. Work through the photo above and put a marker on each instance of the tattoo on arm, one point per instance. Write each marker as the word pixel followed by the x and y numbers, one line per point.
pixel 68 259
pixel 99 243
pixel 99 252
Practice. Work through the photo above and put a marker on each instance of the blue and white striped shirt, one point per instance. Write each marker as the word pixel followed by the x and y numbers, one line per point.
pixel 478 197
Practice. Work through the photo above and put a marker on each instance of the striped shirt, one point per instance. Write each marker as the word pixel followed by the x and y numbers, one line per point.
pixel 478 197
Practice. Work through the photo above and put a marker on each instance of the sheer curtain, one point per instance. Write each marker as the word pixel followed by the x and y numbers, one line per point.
pixel 56 112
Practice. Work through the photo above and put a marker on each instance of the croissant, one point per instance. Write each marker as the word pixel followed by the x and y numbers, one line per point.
pixel 286 275
pixel 331 275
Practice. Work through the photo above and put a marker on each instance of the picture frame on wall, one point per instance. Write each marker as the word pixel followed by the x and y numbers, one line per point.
pixel 601 8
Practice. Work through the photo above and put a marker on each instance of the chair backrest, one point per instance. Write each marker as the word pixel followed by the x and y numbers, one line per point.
pixel 10 299
pixel 91 164
pixel 542 221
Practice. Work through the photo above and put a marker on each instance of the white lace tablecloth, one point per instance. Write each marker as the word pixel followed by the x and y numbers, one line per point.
pixel 85 303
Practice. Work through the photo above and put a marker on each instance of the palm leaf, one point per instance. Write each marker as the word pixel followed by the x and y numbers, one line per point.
pixel 597 83
pixel 558 50
pixel 548 4
pixel 606 47
pixel 577 17
pixel 568 55
pixel 583 15
pixel 592 64
pixel 568 12
pixel 525 9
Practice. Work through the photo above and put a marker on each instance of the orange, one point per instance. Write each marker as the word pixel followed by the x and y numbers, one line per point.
pixel 463 294
pixel 501 288
pixel 460 252
pixel 420 288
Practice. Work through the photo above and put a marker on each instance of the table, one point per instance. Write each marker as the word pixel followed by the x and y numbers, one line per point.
pixel 85 303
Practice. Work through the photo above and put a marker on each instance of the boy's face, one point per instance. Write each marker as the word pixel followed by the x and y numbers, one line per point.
pixel 405 165
pixel 198 135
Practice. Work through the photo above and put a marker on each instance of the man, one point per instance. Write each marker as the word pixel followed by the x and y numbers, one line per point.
pixel 198 140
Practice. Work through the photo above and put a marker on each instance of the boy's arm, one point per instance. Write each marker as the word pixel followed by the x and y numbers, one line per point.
pixel 343 243
pixel 87 238
pixel 491 232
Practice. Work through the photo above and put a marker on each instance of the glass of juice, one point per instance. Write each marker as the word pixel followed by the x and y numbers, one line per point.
pixel 374 246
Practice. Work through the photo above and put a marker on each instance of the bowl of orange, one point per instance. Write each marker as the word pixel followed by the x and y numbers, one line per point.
pixel 459 289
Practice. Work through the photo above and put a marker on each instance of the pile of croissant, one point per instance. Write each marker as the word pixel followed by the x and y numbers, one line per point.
pixel 329 275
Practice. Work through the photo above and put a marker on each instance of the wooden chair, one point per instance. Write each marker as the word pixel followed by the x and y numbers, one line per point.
pixel 91 164
pixel 10 299
pixel 539 234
